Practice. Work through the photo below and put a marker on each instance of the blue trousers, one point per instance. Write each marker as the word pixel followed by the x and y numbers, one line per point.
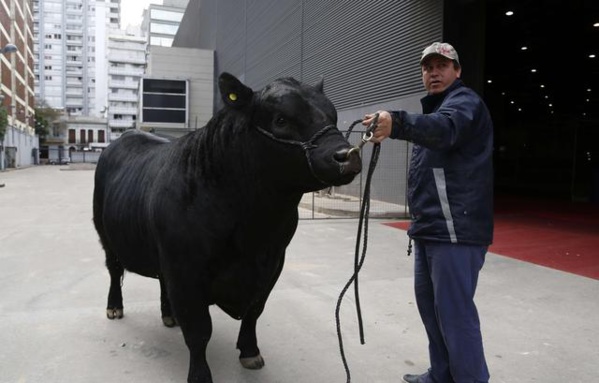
pixel 445 279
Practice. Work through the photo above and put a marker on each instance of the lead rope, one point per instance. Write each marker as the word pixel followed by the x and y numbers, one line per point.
pixel 359 260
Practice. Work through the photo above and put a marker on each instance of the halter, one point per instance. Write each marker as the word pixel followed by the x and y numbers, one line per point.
pixel 306 146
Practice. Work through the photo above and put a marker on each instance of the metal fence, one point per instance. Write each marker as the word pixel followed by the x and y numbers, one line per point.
pixel 387 189
pixel 63 156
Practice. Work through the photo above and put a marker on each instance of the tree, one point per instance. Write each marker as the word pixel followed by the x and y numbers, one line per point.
pixel 3 124
pixel 45 116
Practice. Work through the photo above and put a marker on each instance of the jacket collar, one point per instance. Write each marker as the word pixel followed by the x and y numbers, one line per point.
pixel 432 101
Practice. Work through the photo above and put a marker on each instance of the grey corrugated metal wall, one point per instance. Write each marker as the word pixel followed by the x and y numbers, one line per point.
pixel 366 51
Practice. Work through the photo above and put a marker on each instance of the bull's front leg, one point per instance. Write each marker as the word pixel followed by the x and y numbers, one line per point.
pixel 196 326
pixel 247 342
pixel 193 316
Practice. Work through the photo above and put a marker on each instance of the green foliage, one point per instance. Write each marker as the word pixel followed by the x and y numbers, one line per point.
pixel 44 117
pixel 41 126
pixel 3 123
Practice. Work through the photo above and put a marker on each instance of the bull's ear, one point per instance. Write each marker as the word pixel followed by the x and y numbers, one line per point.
pixel 320 85
pixel 233 92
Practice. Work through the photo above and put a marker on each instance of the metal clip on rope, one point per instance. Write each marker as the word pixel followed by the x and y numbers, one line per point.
pixel 367 136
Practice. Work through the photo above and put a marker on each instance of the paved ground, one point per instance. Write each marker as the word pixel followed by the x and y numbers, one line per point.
pixel 539 325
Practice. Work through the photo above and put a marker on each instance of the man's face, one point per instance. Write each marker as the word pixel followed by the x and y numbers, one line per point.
pixel 438 73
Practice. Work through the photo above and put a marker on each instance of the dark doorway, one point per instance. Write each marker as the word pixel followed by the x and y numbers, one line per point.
pixel 542 87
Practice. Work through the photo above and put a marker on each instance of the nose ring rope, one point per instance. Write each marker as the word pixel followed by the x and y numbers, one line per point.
pixel 366 137
pixel 305 145
pixel 362 223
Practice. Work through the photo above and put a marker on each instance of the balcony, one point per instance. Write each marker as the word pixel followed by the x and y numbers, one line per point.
pixel 128 45
pixel 122 110
pixel 123 84
pixel 136 72
pixel 126 124
pixel 123 97
pixel 73 31
pixel 73 92
pixel 128 59
pixel 77 63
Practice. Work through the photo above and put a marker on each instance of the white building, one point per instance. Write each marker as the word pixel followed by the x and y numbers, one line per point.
pixel 70 40
pixel 161 22
pixel 177 90
pixel 126 66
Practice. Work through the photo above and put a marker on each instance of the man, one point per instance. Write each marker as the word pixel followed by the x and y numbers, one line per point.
pixel 450 195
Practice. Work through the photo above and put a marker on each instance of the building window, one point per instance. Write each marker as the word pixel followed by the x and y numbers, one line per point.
pixel 161 14
pixel 166 29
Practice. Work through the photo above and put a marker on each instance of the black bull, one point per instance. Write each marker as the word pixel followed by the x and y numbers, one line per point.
pixel 211 214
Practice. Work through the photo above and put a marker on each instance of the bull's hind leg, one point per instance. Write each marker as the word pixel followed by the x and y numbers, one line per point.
pixel 114 308
pixel 168 319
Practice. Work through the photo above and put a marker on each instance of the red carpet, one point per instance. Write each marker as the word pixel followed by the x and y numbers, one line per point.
pixel 556 234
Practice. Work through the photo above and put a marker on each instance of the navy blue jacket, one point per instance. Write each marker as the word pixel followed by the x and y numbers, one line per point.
pixel 450 182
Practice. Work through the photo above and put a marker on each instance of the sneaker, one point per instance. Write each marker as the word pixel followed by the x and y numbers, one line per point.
pixel 408 378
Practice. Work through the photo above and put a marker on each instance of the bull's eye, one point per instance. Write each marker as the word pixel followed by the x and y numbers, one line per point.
pixel 280 122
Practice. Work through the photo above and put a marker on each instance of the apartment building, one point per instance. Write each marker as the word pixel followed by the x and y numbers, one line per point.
pixel 71 36
pixel 126 66
pixel 18 143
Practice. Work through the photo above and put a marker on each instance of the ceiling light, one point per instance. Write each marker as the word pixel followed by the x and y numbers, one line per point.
pixel 489 81
pixel 542 86
pixel 596 25
pixel 591 56
pixel 524 48
pixel 512 102
pixel 533 70
pixel 509 13
pixel 589 89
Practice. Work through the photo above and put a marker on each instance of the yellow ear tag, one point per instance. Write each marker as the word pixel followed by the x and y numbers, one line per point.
pixel 232 96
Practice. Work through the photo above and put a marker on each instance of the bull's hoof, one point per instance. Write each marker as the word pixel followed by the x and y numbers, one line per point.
pixel 169 321
pixel 253 362
pixel 114 313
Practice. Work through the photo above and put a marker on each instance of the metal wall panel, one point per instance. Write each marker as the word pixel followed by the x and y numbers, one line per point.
pixel 366 51
pixel 273 40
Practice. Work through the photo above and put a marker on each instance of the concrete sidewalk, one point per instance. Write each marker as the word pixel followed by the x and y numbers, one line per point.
pixel 539 325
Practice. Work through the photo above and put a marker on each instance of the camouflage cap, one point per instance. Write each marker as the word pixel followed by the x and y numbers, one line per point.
pixel 442 49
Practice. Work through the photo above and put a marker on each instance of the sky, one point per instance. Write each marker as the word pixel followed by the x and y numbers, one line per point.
pixel 131 11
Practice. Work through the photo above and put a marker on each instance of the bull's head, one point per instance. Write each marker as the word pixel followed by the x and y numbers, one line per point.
pixel 297 123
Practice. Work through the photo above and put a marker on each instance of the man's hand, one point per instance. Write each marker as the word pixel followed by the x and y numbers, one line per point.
pixel 383 126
